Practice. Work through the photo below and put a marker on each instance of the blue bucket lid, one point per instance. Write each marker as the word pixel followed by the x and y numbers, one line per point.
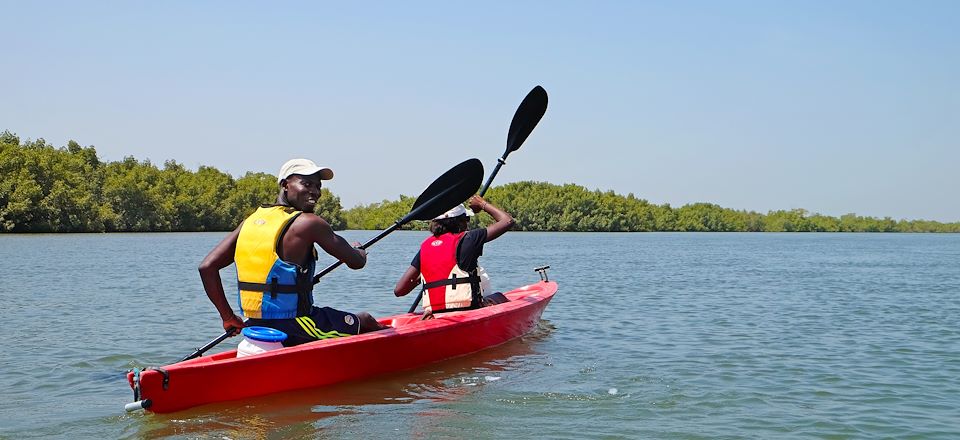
pixel 264 334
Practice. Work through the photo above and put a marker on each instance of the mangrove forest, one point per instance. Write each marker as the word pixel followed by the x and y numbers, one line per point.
pixel 70 189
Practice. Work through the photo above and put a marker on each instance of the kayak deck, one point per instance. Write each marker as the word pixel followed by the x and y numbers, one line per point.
pixel 409 343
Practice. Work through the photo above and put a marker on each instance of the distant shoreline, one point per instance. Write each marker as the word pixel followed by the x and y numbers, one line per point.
pixel 44 189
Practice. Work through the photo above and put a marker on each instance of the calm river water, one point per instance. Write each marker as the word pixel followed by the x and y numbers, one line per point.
pixel 652 335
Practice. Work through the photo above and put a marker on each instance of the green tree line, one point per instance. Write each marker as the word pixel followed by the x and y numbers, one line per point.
pixel 540 206
pixel 69 189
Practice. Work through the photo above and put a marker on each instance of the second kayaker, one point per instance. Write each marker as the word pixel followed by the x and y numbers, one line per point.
pixel 447 262
pixel 276 260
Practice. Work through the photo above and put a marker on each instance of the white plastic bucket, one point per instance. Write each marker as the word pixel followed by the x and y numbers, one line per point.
pixel 257 340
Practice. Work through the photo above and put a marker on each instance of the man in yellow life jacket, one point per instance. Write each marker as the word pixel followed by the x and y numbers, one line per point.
pixel 276 260
pixel 447 260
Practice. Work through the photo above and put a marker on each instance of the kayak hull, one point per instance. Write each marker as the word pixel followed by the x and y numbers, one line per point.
pixel 410 343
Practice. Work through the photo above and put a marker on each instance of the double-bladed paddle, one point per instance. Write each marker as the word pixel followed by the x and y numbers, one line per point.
pixel 449 190
pixel 528 114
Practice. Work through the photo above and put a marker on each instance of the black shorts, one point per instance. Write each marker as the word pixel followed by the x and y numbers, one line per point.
pixel 321 323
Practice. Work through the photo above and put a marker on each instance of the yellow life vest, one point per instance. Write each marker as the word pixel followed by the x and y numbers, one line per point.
pixel 269 287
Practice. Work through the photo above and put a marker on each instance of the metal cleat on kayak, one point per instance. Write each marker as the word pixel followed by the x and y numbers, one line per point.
pixel 542 270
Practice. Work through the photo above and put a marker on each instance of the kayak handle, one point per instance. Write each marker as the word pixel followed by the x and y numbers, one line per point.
pixel 138 405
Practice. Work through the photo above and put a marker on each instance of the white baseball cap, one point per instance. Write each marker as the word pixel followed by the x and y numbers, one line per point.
pixel 303 167
pixel 456 211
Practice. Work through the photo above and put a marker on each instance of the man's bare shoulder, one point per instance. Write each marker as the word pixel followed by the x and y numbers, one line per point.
pixel 309 225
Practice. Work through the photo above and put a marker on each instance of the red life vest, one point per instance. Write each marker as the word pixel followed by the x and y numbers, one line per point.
pixel 448 287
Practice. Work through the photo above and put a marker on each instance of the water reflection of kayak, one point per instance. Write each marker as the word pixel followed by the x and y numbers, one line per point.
pixel 409 344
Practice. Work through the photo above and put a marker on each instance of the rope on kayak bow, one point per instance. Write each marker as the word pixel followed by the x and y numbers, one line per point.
pixel 136 384
pixel 542 270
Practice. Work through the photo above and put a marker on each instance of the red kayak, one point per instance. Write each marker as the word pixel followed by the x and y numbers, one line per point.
pixel 409 344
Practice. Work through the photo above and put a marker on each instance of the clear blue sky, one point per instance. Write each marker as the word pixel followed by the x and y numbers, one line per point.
pixel 834 107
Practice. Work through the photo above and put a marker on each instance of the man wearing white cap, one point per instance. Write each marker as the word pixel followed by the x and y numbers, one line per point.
pixel 447 260
pixel 276 260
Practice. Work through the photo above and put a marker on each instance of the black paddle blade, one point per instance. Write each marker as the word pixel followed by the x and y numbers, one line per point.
pixel 526 118
pixel 450 189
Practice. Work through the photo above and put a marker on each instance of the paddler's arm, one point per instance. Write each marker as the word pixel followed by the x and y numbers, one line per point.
pixel 319 231
pixel 221 256
pixel 503 222
pixel 406 283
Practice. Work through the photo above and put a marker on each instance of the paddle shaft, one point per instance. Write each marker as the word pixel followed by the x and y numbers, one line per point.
pixel 406 219
pixel 209 345
pixel 330 268
pixel 496 169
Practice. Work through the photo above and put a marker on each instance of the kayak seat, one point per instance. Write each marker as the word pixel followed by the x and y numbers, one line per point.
pixel 494 298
